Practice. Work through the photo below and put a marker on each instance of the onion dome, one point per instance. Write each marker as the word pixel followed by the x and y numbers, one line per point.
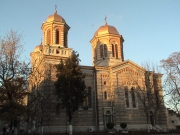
pixel 38 48
pixel 106 29
pixel 55 17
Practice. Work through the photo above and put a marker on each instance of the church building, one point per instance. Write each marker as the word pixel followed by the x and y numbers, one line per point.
pixel 111 83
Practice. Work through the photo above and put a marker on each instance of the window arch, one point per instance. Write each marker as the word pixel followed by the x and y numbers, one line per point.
pixel 103 50
pixel 114 50
pixel 65 39
pixel 126 96
pixel 57 36
pixel 130 97
pixel 133 98
pixel 95 55
pixel 48 37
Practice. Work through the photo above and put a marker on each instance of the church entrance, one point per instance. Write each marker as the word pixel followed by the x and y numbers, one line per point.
pixel 108 115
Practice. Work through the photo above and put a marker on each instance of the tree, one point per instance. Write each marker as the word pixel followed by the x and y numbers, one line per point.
pixel 147 87
pixel 70 85
pixel 13 79
pixel 150 96
pixel 39 85
pixel 171 68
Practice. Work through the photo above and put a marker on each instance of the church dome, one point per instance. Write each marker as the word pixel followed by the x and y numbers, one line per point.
pixel 55 17
pixel 38 48
pixel 106 29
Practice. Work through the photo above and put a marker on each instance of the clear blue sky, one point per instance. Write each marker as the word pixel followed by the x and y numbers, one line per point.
pixel 151 28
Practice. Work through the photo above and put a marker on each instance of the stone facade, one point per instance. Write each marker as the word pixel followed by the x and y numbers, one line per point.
pixel 110 82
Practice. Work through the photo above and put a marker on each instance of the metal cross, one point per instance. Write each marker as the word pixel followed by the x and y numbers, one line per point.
pixel 105 19
pixel 55 7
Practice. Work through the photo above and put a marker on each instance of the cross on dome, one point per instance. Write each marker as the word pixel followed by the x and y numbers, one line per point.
pixel 55 7
pixel 105 20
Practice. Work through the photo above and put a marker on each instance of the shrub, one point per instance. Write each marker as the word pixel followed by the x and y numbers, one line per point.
pixel 110 125
pixel 123 125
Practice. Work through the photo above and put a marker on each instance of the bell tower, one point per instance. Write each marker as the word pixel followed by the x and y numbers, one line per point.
pixel 107 46
pixel 55 31
pixel 55 38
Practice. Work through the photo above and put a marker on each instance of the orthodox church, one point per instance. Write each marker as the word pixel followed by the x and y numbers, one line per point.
pixel 111 82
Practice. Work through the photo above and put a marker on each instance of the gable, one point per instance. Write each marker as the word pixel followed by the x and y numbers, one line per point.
pixel 129 73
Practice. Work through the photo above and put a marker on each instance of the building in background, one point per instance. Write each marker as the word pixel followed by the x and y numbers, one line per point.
pixel 173 120
pixel 111 82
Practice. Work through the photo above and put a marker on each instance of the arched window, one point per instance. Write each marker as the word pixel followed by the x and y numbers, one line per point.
pixel 95 55
pixel 113 50
pixel 57 36
pixel 126 97
pixel 105 95
pixel 133 98
pixel 116 50
pixel 49 37
pixel 89 97
pixel 105 50
pixel 96 52
pixel 101 51
pixel 65 39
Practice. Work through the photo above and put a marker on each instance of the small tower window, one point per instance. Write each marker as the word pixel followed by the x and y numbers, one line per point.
pixel 95 55
pixel 49 37
pixel 57 36
pixel 114 50
pixel 65 39
pixel 103 50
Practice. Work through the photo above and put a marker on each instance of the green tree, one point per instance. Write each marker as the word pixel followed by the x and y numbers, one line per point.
pixel 70 85
pixel 13 79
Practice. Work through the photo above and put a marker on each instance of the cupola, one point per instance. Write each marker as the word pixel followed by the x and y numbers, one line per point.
pixel 107 46
pixel 55 31
pixel 55 17
pixel 106 29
